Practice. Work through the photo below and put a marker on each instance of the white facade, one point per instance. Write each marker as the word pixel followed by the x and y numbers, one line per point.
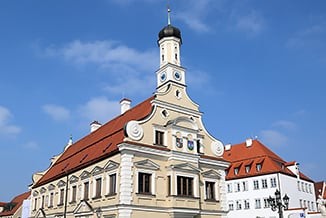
pixel 247 197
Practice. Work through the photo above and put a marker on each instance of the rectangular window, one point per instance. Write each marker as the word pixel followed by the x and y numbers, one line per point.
pixel 86 190
pixel 299 186
pixel 113 184
pixel 257 203
pixel 301 204
pixel 245 186
pixel 51 199
pixel 98 187
pixel 231 206
pixel 159 137
pixel 302 186
pixel 273 182
pixel 61 198
pixel 169 185
pixel 264 183
pixel 42 202
pixel 144 183
pixel 210 190
pixel 256 184
pixel 310 190
pixel 238 205
pixel 306 185
pixel 237 187
pixel 246 204
pixel 35 204
pixel 74 194
pixel 229 188
pixel 185 186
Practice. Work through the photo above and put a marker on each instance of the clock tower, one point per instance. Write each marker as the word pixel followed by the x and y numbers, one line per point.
pixel 169 42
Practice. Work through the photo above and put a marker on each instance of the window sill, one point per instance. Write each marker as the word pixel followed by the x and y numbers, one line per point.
pixel 59 205
pixel 212 200
pixel 110 195
pixel 96 197
pixel 146 195
pixel 184 196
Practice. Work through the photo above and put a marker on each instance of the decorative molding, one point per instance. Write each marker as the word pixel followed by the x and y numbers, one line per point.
pixel 35 193
pixel 83 208
pixel 97 170
pixel 73 179
pixel 178 120
pixel 51 187
pixel 42 190
pixel 184 167
pixel 61 183
pixel 147 164
pixel 110 165
pixel 134 130
pixel 126 180
pixel 177 108
pixel 211 174
pixel 84 175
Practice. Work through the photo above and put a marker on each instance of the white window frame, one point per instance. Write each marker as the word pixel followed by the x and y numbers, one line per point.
pixel 156 128
pixel 216 193
pixel 71 192
pixel 83 188
pixel 189 175
pixel 94 185
pixel 108 174
pixel 49 199
pixel 153 176
pixel 59 196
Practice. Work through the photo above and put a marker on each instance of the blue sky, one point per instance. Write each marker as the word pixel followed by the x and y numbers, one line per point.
pixel 256 68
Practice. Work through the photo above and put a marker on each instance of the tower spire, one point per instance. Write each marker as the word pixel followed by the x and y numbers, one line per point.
pixel 169 13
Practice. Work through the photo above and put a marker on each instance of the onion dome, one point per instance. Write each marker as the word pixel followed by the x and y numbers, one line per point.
pixel 169 31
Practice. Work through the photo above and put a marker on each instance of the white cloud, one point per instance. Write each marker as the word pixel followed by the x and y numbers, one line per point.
pixel 58 113
pixel 251 23
pixel 100 109
pixel 106 54
pixel 285 124
pixel 31 145
pixel 6 128
pixel 273 138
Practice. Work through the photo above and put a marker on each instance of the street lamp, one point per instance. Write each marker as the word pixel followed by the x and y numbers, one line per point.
pixel 98 212
pixel 277 204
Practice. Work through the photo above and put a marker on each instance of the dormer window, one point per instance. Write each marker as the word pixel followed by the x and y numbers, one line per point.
pixel 247 168
pixel 236 171
pixel 258 167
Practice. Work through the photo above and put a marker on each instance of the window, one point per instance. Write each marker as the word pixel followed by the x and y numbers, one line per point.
pixel 144 183
pixel 306 186
pixel 229 186
pixel 198 145
pixel 301 204
pixel 258 167
pixel 112 184
pixel 299 186
pixel 35 203
pixel 169 185
pixel 264 183
pixel 238 205
pixel 236 171
pixel 74 194
pixel 237 187
pixel 247 168
pixel 257 203
pixel 210 190
pixel 51 199
pixel 310 190
pixel 309 205
pixel 184 186
pixel 256 184
pixel 231 206
pixel 42 202
pixel 159 137
pixel 244 186
pixel 273 182
pixel 98 187
pixel 305 204
pixel 86 190
pixel 266 203
pixel 246 204
pixel 302 186
pixel 62 193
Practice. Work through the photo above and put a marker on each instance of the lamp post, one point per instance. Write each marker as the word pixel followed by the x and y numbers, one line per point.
pixel 277 204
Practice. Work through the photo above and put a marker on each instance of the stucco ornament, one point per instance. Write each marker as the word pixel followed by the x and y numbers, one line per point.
pixel 217 148
pixel 322 205
pixel 134 130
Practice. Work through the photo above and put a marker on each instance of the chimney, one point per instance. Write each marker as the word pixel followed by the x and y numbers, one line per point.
pixel 95 125
pixel 248 142
pixel 228 147
pixel 125 105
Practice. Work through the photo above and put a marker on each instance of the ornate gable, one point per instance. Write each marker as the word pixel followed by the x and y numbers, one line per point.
pixel 73 179
pixel 111 165
pixel 43 190
pixel 147 164
pixel 61 183
pixel 211 174
pixel 51 187
pixel 85 174
pixel 185 167
pixel 83 209
pixel 97 170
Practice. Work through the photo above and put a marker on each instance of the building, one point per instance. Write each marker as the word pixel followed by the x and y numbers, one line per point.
pixel 256 173
pixel 320 190
pixel 18 207
pixel 154 160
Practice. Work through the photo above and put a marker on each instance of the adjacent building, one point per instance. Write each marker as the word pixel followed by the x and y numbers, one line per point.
pixel 256 173
pixel 156 159
pixel 18 207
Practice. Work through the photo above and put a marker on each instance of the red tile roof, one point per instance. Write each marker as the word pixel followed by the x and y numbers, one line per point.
pixel 241 156
pixel 96 146
pixel 18 201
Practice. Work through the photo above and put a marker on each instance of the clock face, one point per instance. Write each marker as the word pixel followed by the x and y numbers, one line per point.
pixel 163 76
pixel 177 75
